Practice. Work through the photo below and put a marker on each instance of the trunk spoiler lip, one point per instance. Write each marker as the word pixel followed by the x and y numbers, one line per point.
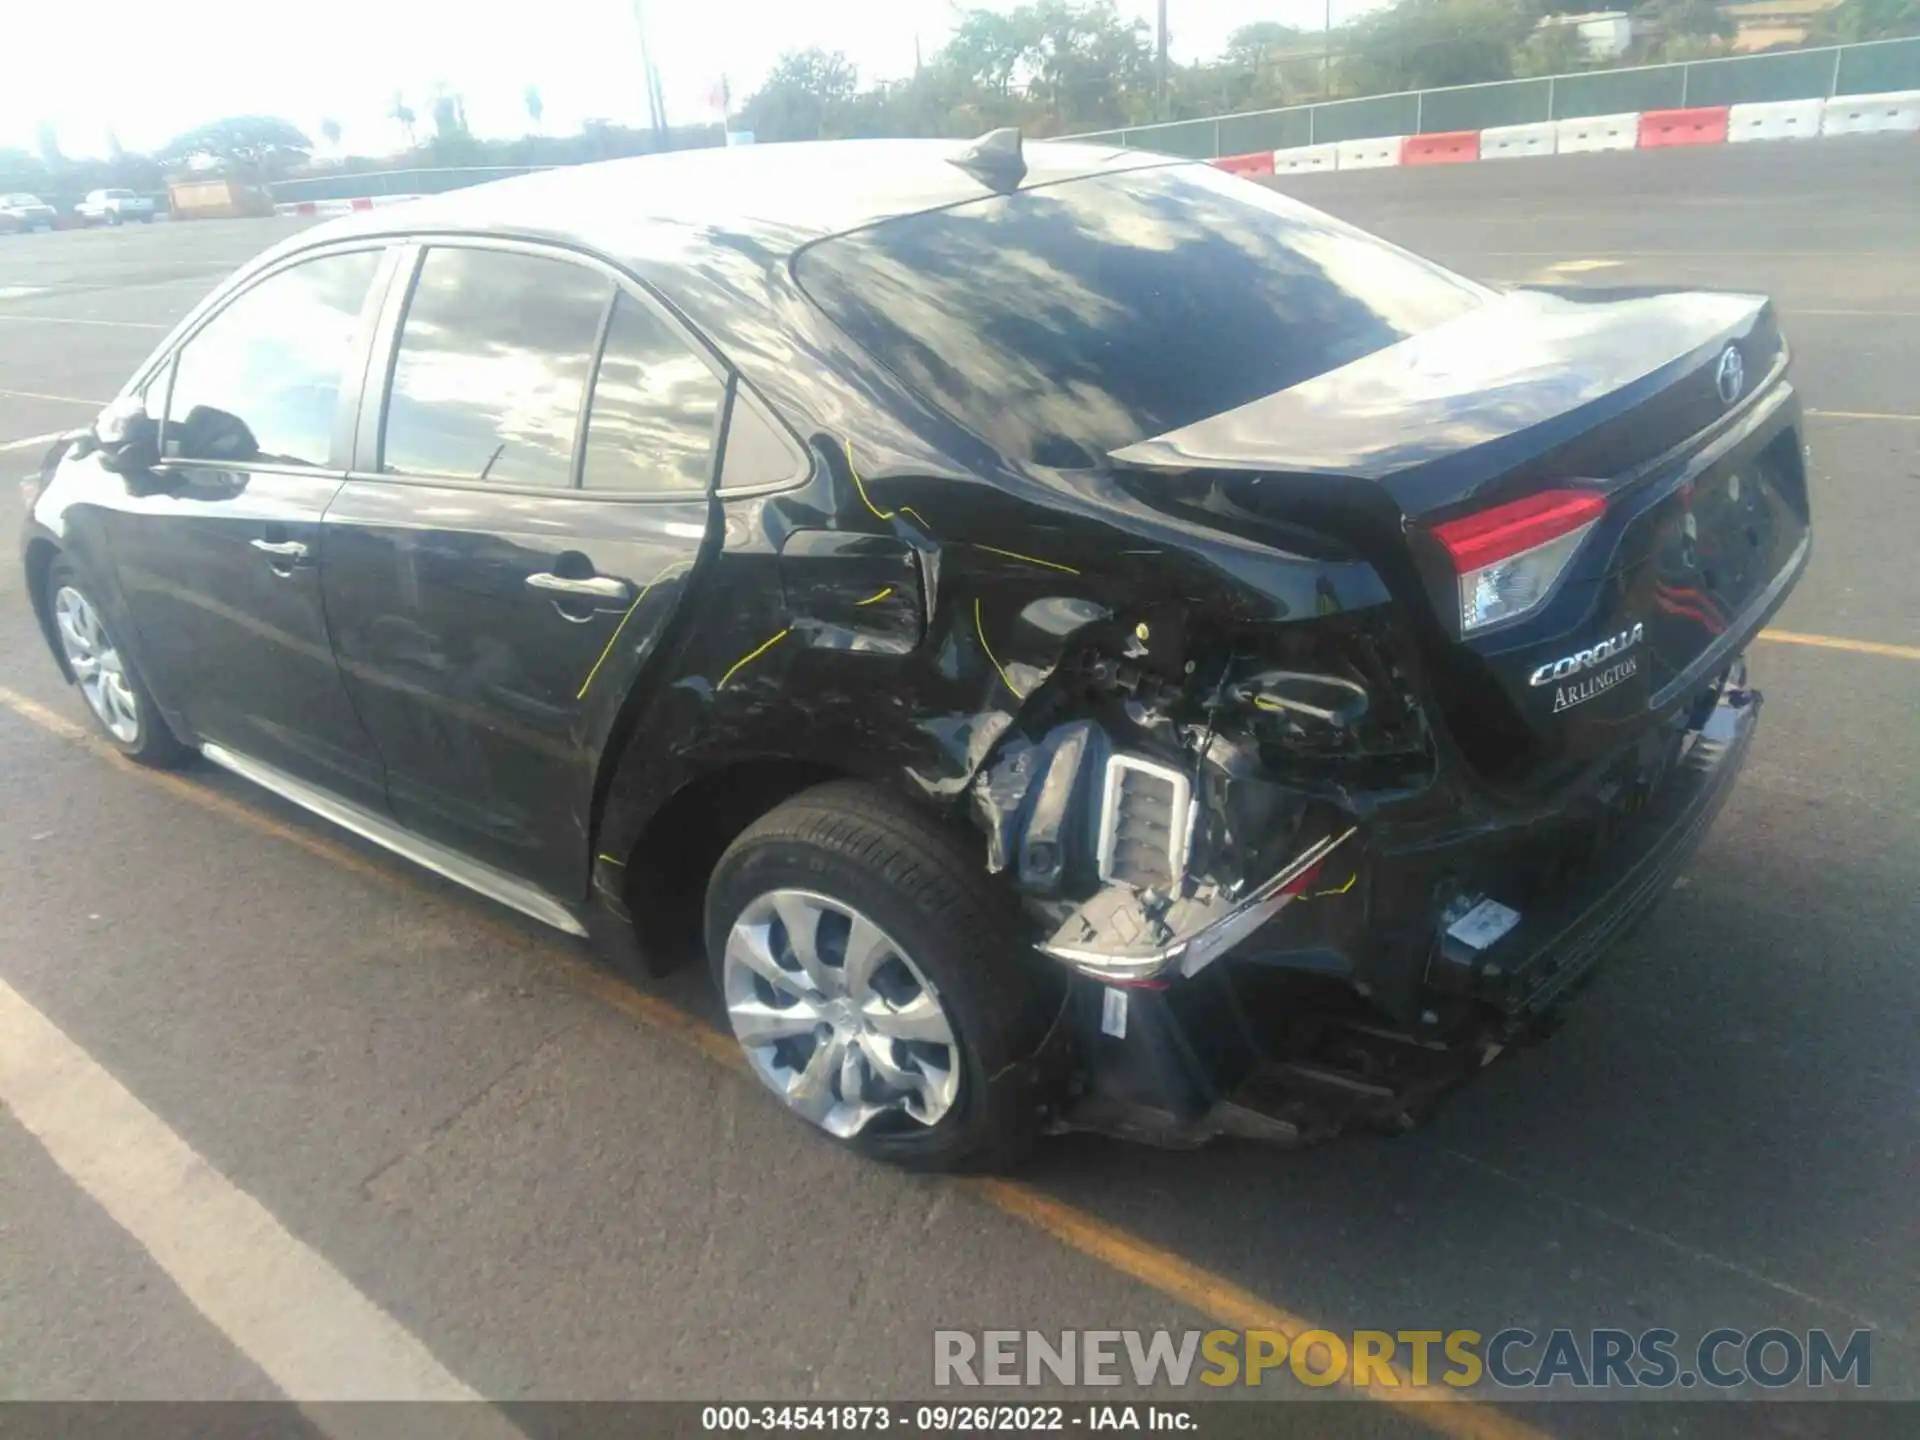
pixel 1521 361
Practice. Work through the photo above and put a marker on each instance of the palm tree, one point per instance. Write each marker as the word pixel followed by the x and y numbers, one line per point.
pixel 331 129
pixel 402 114
pixel 535 106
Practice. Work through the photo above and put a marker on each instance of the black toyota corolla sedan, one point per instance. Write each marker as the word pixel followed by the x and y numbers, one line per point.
pixel 1078 639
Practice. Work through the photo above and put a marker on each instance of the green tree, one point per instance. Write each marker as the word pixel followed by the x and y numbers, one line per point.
pixel 807 97
pixel 1551 50
pixel 1421 44
pixel 449 113
pixel 257 147
pixel 1089 68
pixel 1852 21
pixel 1701 19
pixel 536 107
pixel 402 115
pixel 330 131
pixel 46 137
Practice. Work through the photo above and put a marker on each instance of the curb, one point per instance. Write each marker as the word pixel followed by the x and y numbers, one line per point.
pixel 1896 112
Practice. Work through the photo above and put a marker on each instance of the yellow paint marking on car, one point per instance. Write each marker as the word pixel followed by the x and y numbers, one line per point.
pixel 620 629
pixel 981 630
pixel 1028 559
pixel 867 500
pixel 750 657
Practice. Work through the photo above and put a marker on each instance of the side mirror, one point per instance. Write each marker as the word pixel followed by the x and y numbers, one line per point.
pixel 127 438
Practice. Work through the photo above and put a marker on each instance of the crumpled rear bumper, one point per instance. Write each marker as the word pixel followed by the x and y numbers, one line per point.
pixel 1180 1060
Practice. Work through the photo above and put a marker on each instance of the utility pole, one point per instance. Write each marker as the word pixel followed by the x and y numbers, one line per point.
pixel 1160 84
pixel 1326 56
pixel 655 117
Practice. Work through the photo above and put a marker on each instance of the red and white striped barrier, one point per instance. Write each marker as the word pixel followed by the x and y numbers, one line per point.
pixel 1894 112
pixel 340 207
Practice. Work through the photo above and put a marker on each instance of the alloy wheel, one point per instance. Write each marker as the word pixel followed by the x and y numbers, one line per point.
pixel 96 664
pixel 836 1019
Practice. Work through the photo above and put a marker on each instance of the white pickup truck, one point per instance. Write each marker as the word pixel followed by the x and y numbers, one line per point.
pixel 114 207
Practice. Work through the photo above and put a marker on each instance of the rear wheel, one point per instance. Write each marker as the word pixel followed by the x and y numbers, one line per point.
pixel 116 699
pixel 877 980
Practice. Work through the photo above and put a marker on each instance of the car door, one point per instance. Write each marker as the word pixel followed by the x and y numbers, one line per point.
pixel 532 494
pixel 217 551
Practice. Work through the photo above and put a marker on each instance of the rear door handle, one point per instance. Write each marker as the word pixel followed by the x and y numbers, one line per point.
pixel 290 550
pixel 595 587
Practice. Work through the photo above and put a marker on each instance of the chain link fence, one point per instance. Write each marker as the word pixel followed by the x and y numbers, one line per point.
pixel 1818 74
pixel 359 184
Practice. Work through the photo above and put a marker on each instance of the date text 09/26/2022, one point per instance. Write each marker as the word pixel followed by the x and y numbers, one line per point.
pixel 946 1419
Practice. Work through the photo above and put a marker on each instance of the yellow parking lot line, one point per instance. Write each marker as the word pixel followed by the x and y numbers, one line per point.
pixel 1219 1299
pixel 1835 642
pixel 1861 415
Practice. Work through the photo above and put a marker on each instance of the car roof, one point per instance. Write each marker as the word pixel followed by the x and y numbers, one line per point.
pixel 775 198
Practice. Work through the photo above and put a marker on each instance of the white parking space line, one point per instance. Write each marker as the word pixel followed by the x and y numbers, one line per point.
pixel 279 1303
pixel 28 442
pixel 57 399
pixel 75 320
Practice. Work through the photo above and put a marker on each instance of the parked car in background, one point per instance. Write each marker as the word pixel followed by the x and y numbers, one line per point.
pixel 114 207
pixel 25 212
pixel 1079 639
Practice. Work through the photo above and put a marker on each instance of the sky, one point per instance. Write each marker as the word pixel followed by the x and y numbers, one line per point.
pixel 146 70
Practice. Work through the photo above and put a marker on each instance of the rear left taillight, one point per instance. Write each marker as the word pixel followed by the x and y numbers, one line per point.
pixel 1508 558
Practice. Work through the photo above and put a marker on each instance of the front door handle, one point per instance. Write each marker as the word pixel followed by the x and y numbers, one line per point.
pixel 594 587
pixel 291 551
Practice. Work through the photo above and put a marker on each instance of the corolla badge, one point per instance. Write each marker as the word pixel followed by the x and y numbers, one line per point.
pixel 1586 659
pixel 1608 653
pixel 1730 375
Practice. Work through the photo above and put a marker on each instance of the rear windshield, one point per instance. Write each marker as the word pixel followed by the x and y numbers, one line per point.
pixel 1066 321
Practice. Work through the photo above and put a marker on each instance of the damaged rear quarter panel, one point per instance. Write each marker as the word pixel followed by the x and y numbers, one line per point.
pixel 985 647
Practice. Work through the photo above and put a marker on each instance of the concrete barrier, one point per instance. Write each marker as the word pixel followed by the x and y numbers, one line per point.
pixel 1702 125
pixel 1895 111
pixel 1443 147
pixel 340 207
pixel 1258 163
pixel 1508 142
pixel 1368 154
pixel 1775 120
pixel 1597 132
pixel 1304 159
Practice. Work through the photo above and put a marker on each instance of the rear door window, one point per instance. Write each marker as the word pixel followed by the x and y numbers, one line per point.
pixel 650 430
pixel 1069 320
pixel 490 378
pixel 261 381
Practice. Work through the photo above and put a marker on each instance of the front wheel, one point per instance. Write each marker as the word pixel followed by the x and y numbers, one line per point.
pixel 877 980
pixel 116 699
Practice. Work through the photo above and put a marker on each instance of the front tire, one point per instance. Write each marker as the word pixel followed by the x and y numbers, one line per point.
pixel 878 982
pixel 118 702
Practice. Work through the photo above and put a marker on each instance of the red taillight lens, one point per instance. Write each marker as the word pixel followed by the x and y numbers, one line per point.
pixel 1489 535
pixel 1508 558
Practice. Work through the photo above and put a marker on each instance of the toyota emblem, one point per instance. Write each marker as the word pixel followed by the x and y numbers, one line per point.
pixel 1730 375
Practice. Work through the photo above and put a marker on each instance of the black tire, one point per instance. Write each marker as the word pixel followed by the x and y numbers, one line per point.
pixel 153 742
pixel 857 844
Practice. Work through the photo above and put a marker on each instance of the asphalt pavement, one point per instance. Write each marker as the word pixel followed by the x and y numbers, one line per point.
pixel 554 1185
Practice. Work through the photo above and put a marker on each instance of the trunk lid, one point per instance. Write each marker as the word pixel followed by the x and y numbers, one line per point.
pixel 1668 404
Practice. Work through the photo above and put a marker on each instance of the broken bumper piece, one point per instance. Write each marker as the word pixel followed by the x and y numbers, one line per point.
pixel 1126 934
